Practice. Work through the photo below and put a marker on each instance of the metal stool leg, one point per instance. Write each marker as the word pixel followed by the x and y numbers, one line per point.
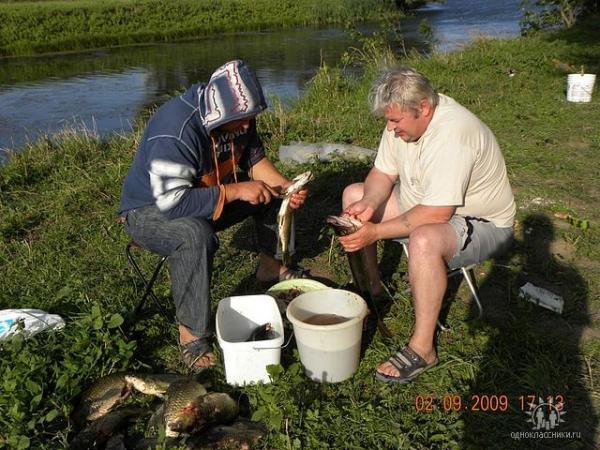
pixel 469 275
pixel 148 285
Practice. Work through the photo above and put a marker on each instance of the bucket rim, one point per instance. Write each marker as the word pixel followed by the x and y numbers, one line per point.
pixel 339 326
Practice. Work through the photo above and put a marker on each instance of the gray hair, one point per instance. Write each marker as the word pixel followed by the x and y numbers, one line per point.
pixel 402 86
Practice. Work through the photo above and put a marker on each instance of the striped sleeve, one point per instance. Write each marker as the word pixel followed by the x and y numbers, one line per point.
pixel 173 170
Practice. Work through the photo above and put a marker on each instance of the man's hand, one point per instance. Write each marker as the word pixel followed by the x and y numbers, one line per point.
pixel 297 199
pixel 253 192
pixel 362 210
pixel 366 235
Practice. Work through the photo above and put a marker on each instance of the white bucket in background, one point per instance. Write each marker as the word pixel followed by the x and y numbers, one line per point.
pixel 237 317
pixel 329 353
pixel 580 87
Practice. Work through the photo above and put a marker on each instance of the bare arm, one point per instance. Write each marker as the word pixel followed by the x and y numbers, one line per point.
pixel 377 189
pixel 400 226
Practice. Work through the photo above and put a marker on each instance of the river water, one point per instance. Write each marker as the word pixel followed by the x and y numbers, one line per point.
pixel 104 90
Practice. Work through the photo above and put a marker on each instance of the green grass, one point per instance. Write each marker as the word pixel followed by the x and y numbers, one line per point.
pixel 49 26
pixel 61 250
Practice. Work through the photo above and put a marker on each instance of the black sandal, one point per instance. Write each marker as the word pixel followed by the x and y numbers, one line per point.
pixel 408 364
pixel 193 351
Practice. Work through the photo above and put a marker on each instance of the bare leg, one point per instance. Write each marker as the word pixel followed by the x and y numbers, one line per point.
pixel 354 193
pixel 269 267
pixel 430 246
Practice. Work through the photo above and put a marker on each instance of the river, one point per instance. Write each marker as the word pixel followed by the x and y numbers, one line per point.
pixel 104 90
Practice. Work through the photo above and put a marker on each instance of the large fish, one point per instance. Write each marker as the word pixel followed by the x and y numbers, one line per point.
pixel 153 384
pixel 100 431
pixel 101 397
pixel 218 407
pixel 242 434
pixel 343 226
pixel 285 218
pixel 182 407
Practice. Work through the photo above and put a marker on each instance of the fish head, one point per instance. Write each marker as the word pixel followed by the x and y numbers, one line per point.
pixel 348 224
pixel 298 183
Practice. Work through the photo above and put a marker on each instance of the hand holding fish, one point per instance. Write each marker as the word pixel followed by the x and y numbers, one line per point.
pixel 363 210
pixel 298 198
pixel 253 192
pixel 364 236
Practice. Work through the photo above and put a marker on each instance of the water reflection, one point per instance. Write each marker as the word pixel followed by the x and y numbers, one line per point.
pixel 105 89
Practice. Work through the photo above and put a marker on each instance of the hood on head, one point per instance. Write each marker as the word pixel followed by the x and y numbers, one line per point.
pixel 232 93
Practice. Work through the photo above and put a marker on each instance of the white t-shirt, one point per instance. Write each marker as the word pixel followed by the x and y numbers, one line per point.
pixel 457 162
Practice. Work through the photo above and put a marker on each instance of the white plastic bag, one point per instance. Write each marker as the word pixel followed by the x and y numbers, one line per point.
pixel 33 321
pixel 542 297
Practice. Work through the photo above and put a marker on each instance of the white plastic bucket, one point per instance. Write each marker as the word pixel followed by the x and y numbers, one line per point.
pixel 580 87
pixel 246 362
pixel 329 353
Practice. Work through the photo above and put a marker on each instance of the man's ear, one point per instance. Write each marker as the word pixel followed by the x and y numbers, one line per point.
pixel 426 108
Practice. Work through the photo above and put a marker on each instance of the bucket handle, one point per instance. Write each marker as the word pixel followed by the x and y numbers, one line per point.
pixel 281 346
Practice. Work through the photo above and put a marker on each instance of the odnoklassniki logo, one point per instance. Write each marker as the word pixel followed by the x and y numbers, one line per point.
pixel 545 415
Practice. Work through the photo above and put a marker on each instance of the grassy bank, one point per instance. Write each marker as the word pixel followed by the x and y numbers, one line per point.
pixel 61 250
pixel 46 26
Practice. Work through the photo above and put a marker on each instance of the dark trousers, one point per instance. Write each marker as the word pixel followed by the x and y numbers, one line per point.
pixel 191 244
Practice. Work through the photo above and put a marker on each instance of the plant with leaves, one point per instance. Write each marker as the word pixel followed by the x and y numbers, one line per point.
pixel 543 14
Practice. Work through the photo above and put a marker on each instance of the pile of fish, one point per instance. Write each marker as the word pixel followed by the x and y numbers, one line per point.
pixel 210 418
pixel 285 217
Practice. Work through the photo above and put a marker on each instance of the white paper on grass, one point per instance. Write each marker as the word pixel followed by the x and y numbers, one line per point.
pixel 33 321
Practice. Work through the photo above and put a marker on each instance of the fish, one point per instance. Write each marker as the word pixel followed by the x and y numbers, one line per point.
pixel 153 384
pixel 261 333
pixel 101 397
pixel 285 217
pixel 182 407
pixel 242 434
pixel 343 226
pixel 97 433
pixel 217 407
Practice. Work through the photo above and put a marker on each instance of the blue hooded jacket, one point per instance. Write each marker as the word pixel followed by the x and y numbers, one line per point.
pixel 183 161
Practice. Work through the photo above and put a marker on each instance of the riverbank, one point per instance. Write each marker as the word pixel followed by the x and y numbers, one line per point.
pixel 49 26
pixel 61 250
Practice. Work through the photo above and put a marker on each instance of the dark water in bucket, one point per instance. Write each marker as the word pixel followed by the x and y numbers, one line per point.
pixel 326 319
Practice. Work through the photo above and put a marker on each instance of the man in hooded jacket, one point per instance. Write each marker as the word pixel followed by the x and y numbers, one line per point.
pixel 184 186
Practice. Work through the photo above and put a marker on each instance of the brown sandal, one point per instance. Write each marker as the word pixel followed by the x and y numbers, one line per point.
pixel 194 351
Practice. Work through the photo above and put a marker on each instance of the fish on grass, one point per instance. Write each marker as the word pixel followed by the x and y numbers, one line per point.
pixel 285 217
pixel 107 392
pixel 97 433
pixel 343 226
pixel 182 407
pixel 242 434
pixel 101 397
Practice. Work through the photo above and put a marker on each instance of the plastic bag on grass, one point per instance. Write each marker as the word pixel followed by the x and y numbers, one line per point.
pixel 27 321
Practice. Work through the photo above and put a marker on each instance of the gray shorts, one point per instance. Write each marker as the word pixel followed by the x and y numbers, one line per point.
pixel 477 240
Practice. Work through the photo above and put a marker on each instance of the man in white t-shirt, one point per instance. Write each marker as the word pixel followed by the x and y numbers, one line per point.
pixel 440 180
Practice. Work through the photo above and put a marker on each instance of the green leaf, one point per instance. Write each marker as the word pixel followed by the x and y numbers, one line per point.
pixel 23 442
pixel 98 323
pixel 115 321
pixel 52 415
pixel 259 414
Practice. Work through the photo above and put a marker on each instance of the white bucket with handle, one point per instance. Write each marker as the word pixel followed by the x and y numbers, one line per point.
pixel 580 87
pixel 245 360
pixel 328 327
